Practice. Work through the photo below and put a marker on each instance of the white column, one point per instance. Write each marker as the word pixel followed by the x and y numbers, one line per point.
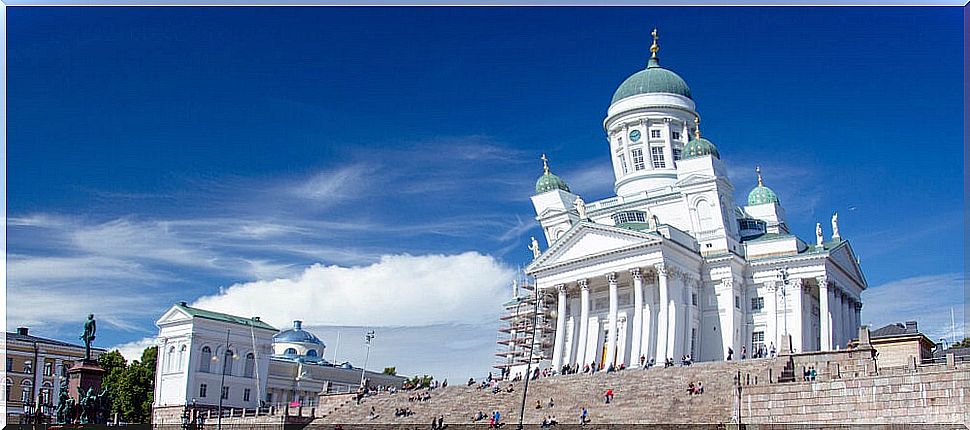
pixel 637 316
pixel 646 334
pixel 847 317
pixel 583 322
pixel 824 314
pixel 560 328
pixel 838 327
pixel 796 324
pixel 663 307
pixel 611 339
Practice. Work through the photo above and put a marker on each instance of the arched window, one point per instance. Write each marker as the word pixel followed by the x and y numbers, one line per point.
pixel 311 353
pixel 181 357
pixel 205 360
pixel 250 365
pixel 25 391
pixel 705 219
pixel 227 362
pixel 45 393
pixel 290 351
pixel 170 359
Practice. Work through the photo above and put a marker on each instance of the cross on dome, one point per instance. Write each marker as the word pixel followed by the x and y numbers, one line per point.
pixel 545 164
pixel 654 48
pixel 757 170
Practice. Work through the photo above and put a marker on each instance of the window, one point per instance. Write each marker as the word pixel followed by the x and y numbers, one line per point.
pixel 269 397
pixel 757 304
pixel 64 367
pixel 623 163
pixel 757 342
pixel 676 135
pixel 654 134
pixel 205 360
pixel 251 365
pixel 9 364
pixel 6 395
pixel 290 351
pixel 619 142
pixel 311 353
pixel 693 342
pixel 693 299
pixel 637 155
pixel 203 390
pixel 25 391
pixel 657 153
pixel 181 357
pixel 28 366
pixel 48 369
pixel 678 154
pixel 225 393
pixel 227 363
pixel 246 395
pixel 170 359
pixel 45 396
pixel 737 302
pixel 629 216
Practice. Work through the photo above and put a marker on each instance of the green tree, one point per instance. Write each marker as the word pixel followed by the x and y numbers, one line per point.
pixel 131 388
pixel 965 343
pixel 390 371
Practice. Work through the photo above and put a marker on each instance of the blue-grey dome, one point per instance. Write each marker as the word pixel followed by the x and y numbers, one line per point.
pixel 653 79
pixel 297 335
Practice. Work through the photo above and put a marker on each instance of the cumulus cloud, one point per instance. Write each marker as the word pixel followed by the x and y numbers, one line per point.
pixel 925 299
pixel 398 290
pixel 132 350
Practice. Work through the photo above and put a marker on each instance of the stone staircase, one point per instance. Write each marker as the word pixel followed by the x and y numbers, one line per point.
pixel 641 396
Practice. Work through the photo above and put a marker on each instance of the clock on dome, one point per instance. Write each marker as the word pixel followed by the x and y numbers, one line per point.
pixel 635 135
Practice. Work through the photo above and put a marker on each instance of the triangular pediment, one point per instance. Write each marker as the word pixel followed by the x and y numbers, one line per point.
pixel 587 239
pixel 173 315
pixel 694 178
pixel 845 258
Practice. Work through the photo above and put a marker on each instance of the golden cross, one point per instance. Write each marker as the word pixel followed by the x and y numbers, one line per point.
pixel 545 163
pixel 654 48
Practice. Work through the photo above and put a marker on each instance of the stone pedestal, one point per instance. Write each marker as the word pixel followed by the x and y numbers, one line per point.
pixel 83 377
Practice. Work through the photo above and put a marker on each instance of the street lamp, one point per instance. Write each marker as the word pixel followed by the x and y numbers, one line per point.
pixel 783 277
pixel 528 365
pixel 222 385
pixel 368 337
pixel 737 383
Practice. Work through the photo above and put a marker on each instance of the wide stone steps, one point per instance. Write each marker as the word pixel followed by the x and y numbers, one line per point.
pixel 656 395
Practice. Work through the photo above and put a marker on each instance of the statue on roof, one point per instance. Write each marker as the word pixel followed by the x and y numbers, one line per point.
pixel 534 247
pixel 818 234
pixel 835 225
pixel 580 208
pixel 90 328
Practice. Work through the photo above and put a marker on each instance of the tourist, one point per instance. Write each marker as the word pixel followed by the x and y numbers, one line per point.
pixel 441 422
pixel 479 416
pixel 510 389
pixel 434 423
pixel 812 373
pixel 744 352
pixel 444 383
pixel 690 387
pixel 551 403
pixel 730 353
pixel 585 369
pixel 771 350
pixel 498 418
pixel 471 381
pixel 610 369
pixel 583 416
pixel 372 414
pixel 700 387
pixel 538 404
pixel 643 360
pixel 608 395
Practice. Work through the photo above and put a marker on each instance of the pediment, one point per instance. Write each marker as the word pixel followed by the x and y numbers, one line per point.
pixel 587 239
pixel 694 178
pixel 173 315
pixel 845 258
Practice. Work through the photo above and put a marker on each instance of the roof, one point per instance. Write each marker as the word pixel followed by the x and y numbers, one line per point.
pixel 653 79
pixel 30 338
pixel 297 335
pixel 219 316
pixel 894 329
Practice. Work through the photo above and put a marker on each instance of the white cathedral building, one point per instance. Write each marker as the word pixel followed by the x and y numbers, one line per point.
pixel 672 265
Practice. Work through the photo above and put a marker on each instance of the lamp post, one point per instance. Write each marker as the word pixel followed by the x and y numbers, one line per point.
pixel 368 337
pixel 528 365
pixel 222 385
pixel 737 383
pixel 783 276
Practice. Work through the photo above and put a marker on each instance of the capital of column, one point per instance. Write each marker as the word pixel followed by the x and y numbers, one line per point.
pixel 611 277
pixel 822 281
pixel 661 269
pixel 795 283
pixel 561 288
pixel 583 284
pixel 635 272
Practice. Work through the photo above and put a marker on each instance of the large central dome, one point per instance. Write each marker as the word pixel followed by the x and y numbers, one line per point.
pixel 653 79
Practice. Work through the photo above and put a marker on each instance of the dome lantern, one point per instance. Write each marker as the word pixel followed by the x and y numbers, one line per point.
pixel 761 194
pixel 548 181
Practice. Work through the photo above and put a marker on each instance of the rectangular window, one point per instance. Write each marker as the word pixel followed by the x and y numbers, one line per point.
pixel 203 390
pixel 757 343
pixel 623 163
pixel 28 367
pixel 225 393
pixel 269 397
pixel 638 159
pixel 757 304
pixel 654 134
pixel 48 369
pixel 25 395
pixel 677 154
pixel 9 364
pixel 676 135
pixel 246 394
pixel 657 152
pixel 737 302
pixel 693 299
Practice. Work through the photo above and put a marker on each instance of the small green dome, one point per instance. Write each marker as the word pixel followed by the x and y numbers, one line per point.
pixel 700 147
pixel 761 194
pixel 549 182
pixel 653 79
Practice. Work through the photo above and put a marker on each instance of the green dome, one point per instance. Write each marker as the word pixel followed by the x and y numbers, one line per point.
pixel 761 195
pixel 549 182
pixel 700 147
pixel 653 79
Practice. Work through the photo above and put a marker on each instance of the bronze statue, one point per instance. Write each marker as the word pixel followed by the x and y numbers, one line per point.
pixel 90 328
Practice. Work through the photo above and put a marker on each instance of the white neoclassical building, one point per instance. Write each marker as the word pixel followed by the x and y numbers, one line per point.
pixel 672 265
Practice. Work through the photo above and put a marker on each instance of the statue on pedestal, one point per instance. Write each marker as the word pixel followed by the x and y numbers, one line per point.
pixel 818 234
pixel 90 328
pixel 835 225
pixel 534 247
pixel 580 208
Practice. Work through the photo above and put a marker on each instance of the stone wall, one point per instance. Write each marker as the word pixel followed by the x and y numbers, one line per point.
pixel 926 394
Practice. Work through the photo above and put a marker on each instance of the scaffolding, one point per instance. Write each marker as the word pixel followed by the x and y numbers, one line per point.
pixel 515 336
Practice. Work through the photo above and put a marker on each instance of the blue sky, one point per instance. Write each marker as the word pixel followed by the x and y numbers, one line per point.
pixel 383 157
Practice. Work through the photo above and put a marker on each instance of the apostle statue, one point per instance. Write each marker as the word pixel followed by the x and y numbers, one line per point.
pixel 818 234
pixel 534 247
pixel 580 207
pixel 835 225
pixel 90 328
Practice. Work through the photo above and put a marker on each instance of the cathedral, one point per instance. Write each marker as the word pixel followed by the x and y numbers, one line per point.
pixel 671 265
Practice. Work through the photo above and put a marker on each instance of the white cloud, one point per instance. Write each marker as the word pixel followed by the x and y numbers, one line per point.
pixel 398 290
pixel 335 185
pixel 132 350
pixel 592 182
pixel 925 299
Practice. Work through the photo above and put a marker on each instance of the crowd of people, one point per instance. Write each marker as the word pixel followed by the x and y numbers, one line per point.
pixel 697 388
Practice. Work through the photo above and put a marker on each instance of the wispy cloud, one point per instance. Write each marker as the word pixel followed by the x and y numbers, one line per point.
pixel 593 181
pixel 925 299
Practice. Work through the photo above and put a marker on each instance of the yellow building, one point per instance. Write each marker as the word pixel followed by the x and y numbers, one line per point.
pixel 35 368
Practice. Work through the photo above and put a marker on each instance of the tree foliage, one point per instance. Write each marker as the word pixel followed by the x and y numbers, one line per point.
pixel 965 343
pixel 390 371
pixel 130 386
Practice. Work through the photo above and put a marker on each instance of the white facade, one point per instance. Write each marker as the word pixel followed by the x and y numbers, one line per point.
pixel 671 265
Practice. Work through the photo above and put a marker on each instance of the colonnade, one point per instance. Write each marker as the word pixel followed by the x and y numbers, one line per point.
pixel 839 315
